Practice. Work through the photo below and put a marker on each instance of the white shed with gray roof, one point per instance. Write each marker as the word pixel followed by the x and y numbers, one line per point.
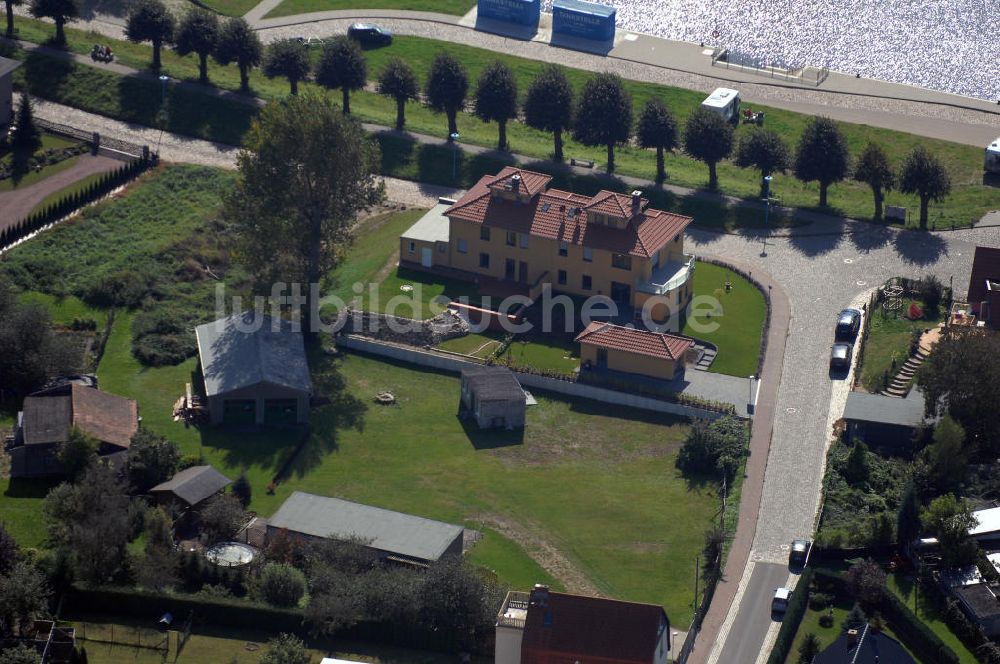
pixel 425 243
pixel 255 370
pixel 394 535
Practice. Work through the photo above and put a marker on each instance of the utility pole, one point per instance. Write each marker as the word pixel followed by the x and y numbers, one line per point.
pixel 767 210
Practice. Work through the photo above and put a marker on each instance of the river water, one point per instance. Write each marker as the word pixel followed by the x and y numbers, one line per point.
pixel 949 45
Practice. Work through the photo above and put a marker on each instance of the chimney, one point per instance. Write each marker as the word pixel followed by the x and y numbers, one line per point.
pixel 636 201
pixel 852 637
pixel 539 596
pixel 515 182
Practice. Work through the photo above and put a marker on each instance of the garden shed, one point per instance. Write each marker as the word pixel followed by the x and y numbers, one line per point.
pixel 395 536
pixel 493 397
pixel 882 421
pixel 190 487
pixel 255 370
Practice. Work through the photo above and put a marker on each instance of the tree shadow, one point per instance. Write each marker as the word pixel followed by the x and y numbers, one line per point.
pixel 870 237
pixel 45 74
pixel 30 488
pixel 397 150
pixel 490 439
pixel 818 244
pixel 90 8
pixel 919 248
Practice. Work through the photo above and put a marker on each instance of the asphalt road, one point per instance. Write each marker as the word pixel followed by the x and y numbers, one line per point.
pixel 747 635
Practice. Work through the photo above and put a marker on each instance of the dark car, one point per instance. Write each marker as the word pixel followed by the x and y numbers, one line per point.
pixel 366 33
pixel 800 551
pixel 840 356
pixel 848 324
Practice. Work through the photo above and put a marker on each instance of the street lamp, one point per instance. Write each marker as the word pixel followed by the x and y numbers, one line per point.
pixel 766 186
pixel 163 88
pixel 453 137
pixel 750 395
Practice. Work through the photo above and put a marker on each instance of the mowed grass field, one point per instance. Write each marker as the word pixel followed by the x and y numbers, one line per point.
pixel 597 486
pixel 225 120
pixel 292 7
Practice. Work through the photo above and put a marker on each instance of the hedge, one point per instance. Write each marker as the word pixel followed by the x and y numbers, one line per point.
pixel 793 618
pixel 244 614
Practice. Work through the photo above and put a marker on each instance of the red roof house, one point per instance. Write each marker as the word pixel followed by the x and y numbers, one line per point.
pixel 605 346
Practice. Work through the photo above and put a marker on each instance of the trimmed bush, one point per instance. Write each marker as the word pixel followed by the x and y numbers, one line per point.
pixel 281 585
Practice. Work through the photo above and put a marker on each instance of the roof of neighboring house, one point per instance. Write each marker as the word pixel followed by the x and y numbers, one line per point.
pixel 249 348
pixel 194 484
pixel 592 626
pixel 382 529
pixel 985 265
pixel 979 599
pixel 432 227
pixel 635 340
pixel 493 383
pixel 47 418
pixel 871 648
pixel 7 65
pixel 560 215
pixel 987 521
pixel 614 204
pixel 880 409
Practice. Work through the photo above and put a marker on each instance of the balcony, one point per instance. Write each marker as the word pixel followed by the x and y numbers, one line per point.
pixel 514 610
pixel 669 277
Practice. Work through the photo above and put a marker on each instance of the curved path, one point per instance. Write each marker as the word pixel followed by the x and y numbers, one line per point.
pixel 820 267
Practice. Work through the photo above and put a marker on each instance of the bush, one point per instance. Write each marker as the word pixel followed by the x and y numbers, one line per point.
pixel 819 601
pixel 826 620
pixel 162 337
pixel 281 585
pixel 124 288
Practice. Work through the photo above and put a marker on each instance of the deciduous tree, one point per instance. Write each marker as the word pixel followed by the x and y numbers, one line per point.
pixel 866 581
pixel 947 457
pixel 158 568
pixel 305 172
pixel 822 155
pixel 399 82
pixel 19 654
pixel 657 129
pixel 873 168
pixel 447 86
pixel 23 595
pixel 78 453
pixel 342 65
pixel 9 6
pixel 151 459
pixel 285 649
pixel 923 174
pixel 198 32
pixel 60 11
pixel 240 44
pixel 281 585
pixel 604 115
pixel 221 517
pixel 150 20
pixel 949 519
pixel 548 105
pixel 708 138
pixel 496 98
pixel 764 150
pixel 9 551
pixel 287 58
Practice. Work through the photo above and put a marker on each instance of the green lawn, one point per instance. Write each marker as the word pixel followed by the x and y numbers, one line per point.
pixel 904 588
pixel 888 340
pixel 546 352
pixel 291 7
pixel 482 345
pixel 64 310
pixel 232 7
pixel 226 121
pixel 739 324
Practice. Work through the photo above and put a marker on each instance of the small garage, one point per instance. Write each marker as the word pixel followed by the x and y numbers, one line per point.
pixel 255 371
pixel 425 243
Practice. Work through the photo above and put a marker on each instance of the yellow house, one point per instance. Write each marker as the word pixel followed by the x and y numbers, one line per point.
pixel 512 228
pixel 609 347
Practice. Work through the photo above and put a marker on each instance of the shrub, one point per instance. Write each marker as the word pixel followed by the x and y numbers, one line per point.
pixel 819 601
pixel 281 585
pixel 162 337
pixel 826 620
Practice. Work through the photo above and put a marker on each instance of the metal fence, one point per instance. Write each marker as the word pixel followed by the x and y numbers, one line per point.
pixel 723 57
pixel 109 145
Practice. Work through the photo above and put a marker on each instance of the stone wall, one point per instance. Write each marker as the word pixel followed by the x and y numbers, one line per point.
pixel 396 329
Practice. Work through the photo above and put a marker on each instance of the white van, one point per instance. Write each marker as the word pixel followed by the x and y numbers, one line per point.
pixel 992 162
pixel 725 102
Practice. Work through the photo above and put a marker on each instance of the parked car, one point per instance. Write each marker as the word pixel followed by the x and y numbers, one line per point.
pixel 800 551
pixel 848 324
pixel 840 356
pixel 366 33
pixel 780 601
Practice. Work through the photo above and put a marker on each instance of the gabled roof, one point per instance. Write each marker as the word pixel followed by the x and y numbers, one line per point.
pixel 249 348
pixel 526 183
pixel 560 215
pixel 613 204
pixel 385 530
pixel 985 265
pixel 194 484
pixel 493 383
pixel 870 648
pixel 880 409
pixel 109 418
pixel 635 340
pixel 592 628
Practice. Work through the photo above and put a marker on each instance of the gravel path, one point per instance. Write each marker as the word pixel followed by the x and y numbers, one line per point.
pixel 18 203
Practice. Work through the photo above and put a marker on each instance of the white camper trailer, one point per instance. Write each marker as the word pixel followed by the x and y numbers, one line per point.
pixel 992 162
pixel 725 102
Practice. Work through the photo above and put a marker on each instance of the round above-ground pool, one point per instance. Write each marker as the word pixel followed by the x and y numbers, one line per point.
pixel 230 554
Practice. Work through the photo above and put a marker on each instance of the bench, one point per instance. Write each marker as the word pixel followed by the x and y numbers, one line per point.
pixel 585 163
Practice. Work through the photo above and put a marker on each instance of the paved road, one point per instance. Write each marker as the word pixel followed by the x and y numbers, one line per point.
pixel 745 637
pixel 18 203
pixel 821 267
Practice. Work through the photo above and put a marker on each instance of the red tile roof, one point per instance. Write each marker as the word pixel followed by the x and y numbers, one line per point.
pixel 561 215
pixel 609 202
pixel 635 340
pixel 985 265
pixel 590 629
pixel 530 183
